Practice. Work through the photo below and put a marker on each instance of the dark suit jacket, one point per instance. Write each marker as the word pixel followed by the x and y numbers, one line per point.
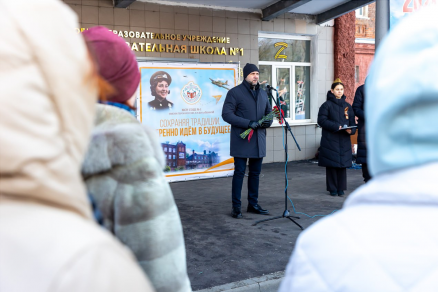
pixel 240 107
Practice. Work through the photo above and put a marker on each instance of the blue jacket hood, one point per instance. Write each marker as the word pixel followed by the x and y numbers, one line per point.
pixel 401 106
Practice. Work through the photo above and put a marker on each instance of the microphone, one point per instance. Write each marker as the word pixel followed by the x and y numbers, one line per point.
pixel 270 87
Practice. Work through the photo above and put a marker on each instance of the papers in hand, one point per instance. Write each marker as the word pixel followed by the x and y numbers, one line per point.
pixel 346 128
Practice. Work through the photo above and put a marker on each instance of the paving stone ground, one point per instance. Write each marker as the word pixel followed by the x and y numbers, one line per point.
pixel 221 249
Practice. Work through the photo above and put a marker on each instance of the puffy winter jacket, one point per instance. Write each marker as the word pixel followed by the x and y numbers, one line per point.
pixel 335 148
pixel 241 107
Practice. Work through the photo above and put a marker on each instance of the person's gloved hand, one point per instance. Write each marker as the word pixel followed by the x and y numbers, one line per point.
pixel 266 124
pixel 253 125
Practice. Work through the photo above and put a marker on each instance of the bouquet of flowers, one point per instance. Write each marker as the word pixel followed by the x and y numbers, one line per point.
pixel 269 117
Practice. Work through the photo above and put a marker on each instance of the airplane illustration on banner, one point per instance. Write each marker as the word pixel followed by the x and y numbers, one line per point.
pixel 220 83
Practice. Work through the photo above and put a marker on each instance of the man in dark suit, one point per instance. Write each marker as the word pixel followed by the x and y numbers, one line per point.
pixel 244 106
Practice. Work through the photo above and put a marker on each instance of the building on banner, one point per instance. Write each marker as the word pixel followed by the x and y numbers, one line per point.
pixel 202 160
pixel 175 155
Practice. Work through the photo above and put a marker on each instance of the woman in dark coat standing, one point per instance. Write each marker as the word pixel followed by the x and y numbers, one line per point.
pixel 335 150
pixel 358 108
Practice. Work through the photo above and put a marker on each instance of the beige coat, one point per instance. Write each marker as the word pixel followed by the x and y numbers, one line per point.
pixel 123 173
pixel 48 239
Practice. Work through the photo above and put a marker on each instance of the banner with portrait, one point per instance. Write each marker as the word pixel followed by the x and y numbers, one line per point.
pixel 183 103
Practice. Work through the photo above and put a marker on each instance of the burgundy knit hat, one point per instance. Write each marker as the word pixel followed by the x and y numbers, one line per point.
pixel 116 62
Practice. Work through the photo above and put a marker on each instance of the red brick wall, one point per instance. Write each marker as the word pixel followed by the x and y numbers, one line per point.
pixel 344 50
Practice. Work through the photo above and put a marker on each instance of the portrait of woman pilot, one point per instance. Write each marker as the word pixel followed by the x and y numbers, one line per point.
pixel 160 82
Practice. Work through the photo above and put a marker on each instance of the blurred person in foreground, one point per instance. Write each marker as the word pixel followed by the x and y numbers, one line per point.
pixel 123 171
pixel 48 239
pixel 386 238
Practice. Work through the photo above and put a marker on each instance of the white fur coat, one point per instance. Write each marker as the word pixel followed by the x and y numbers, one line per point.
pixel 123 173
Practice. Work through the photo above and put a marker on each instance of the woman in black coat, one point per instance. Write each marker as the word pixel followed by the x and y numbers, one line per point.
pixel 335 150
pixel 358 108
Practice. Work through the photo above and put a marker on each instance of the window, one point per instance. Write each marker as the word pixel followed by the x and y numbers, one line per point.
pixel 284 50
pixel 284 63
pixel 174 150
pixel 173 156
pixel 165 149
pixel 361 31
pixel 356 74
pixel 170 156
pixel 362 12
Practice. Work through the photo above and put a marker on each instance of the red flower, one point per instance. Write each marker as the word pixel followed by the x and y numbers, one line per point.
pixel 269 117
pixel 250 135
pixel 277 114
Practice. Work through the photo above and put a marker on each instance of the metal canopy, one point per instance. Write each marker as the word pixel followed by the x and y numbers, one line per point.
pixel 341 10
pixel 324 10
pixel 122 3
pixel 280 8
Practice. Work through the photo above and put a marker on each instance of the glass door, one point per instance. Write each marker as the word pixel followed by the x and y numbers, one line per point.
pixel 302 91
pixel 282 84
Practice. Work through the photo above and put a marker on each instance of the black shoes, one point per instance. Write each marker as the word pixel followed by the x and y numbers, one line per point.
pixel 235 213
pixel 337 193
pixel 257 209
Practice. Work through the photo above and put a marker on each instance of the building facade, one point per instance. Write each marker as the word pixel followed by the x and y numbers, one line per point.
pixel 293 53
pixel 364 44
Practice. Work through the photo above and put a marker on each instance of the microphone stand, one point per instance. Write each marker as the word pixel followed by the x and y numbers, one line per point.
pixel 286 213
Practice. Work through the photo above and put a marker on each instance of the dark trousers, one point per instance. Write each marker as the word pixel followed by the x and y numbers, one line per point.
pixel 255 166
pixel 366 175
pixel 336 178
